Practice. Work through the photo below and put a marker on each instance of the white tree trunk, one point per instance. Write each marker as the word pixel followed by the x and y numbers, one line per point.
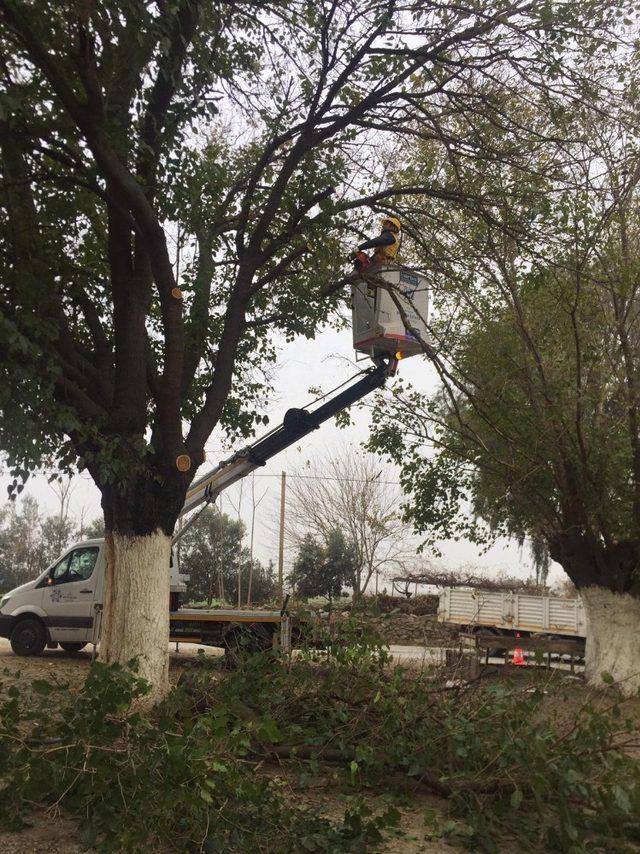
pixel 135 621
pixel 613 637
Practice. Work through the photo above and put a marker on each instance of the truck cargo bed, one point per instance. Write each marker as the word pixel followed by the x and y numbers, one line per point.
pixel 522 612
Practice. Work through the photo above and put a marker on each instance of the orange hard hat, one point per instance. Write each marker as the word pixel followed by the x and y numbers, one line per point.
pixel 394 221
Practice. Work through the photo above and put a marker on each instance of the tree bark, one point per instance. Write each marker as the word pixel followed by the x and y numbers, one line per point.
pixel 139 522
pixel 606 578
pixel 613 637
pixel 135 623
pixel 589 562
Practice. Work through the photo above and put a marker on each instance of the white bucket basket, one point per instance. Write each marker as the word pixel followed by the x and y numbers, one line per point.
pixel 378 329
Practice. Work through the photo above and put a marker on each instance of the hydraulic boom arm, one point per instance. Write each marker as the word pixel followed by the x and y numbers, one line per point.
pixel 296 424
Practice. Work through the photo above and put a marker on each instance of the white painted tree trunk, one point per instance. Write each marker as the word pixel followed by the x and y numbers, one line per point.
pixel 135 621
pixel 613 637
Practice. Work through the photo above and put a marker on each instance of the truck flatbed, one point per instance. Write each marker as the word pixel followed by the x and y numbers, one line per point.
pixel 508 612
pixel 229 628
pixel 221 615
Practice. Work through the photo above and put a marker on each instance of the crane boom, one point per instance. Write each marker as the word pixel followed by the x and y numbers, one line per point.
pixel 296 424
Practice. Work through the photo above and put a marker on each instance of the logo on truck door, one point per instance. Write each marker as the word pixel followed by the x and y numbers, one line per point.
pixel 60 594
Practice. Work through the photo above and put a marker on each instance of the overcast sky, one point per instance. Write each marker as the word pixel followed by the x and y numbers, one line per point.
pixel 325 362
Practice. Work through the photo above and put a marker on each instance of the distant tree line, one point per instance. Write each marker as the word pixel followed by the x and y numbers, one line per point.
pixel 345 524
pixel 31 540
pixel 212 554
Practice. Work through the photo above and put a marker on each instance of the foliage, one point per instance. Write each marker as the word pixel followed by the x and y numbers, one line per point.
pixel 182 779
pixel 504 765
pixel 533 430
pixel 212 554
pixel 94 530
pixel 495 754
pixel 324 569
pixel 352 493
pixel 29 541
pixel 202 146
pixel 22 551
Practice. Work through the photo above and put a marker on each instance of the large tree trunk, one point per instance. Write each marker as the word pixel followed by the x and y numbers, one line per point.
pixel 613 637
pixel 135 623
pixel 607 581
pixel 139 521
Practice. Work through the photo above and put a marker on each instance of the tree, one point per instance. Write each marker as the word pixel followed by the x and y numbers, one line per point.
pixel 94 530
pixel 535 427
pixel 323 569
pixel 59 530
pixel 212 555
pixel 56 534
pixel 355 495
pixel 29 542
pixel 307 568
pixel 264 587
pixel 209 554
pixel 22 553
pixel 164 169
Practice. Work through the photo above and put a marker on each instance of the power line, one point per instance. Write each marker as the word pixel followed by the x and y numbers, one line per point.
pixel 337 479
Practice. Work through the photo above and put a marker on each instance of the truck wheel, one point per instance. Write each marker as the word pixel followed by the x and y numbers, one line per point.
pixel 29 637
pixel 72 647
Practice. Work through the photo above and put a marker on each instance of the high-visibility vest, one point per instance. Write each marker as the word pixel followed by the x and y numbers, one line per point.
pixel 388 252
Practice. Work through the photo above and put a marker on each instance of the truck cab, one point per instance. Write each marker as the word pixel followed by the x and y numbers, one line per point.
pixel 61 605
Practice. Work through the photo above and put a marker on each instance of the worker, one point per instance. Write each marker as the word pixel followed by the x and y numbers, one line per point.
pixel 385 245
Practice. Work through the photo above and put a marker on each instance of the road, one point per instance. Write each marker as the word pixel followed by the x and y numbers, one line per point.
pixel 53 659
pixel 399 653
pixel 423 654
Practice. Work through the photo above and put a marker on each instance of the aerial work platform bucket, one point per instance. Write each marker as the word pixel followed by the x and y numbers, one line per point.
pixel 378 328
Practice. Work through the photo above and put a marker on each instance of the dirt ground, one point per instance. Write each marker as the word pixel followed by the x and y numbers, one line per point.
pixel 57 835
pixel 71 668
pixel 54 834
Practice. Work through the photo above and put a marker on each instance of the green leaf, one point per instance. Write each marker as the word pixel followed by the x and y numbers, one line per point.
pixel 41 686
pixel 622 799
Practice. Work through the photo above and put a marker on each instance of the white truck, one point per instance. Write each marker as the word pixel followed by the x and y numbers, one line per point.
pixel 64 604
pixel 63 607
pixel 507 613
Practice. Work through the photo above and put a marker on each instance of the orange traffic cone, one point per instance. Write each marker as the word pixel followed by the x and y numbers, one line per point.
pixel 518 657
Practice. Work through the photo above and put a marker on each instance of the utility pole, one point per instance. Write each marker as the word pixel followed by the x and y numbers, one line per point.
pixel 219 561
pixel 253 526
pixel 254 506
pixel 240 549
pixel 283 487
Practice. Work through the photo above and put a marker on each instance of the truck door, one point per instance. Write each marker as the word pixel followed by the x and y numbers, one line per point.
pixel 69 595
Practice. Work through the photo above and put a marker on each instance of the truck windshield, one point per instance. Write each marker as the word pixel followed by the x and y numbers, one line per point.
pixel 78 565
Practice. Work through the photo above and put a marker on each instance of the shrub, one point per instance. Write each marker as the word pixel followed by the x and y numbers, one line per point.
pixel 176 779
pixel 188 775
